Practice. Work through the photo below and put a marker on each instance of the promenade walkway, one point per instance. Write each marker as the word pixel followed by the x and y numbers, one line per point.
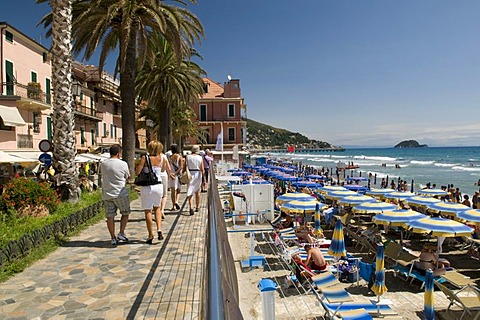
pixel 88 278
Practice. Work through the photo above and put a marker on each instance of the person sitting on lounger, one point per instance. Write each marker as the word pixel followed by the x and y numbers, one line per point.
pixel 315 259
pixel 304 233
pixel 428 260
pixel 288 222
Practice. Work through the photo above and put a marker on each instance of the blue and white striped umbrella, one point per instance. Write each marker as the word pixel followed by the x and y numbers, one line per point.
pixel 428 303
pixel 337 195
pixel 337 246
pixel 399 195
pixel 447 208
pixel 422 201
pixel 432 192
pixel 327 189
pixel 397 218
pixel 355 199
pixel 302 206
pixel 379 193
pixel 379 287
pixel 471 216
pixel 293 196
pixel 373 207
pixel 440 227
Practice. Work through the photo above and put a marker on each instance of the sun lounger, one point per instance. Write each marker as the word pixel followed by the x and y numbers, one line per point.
pixel 356 314
pixel 466 303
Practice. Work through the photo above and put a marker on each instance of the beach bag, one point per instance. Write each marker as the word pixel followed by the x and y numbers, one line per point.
pixel 185 175
pixel 148 178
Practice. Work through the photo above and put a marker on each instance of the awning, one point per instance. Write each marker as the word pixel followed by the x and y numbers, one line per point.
pixel 11 116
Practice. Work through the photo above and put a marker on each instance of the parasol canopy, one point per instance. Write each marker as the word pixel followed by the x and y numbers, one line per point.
pixel 397 218
pixel 355 199
pixel 337 247
pixel 447 208
pixel 286 197
pixel 432 192
pixel 472 216
pixel 440 227
pixel 373 207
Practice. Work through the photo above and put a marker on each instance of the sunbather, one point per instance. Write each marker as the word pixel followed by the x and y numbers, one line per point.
pixel 305 233
pixel 315 259
pixel 429 260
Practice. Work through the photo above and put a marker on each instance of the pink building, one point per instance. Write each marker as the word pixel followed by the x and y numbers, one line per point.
pixel 221 108
pixel 25 97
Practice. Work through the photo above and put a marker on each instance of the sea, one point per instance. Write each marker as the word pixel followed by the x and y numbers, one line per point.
pixel 459 166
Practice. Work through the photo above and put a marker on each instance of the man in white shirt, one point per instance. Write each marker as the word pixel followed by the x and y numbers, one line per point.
pixel 114 192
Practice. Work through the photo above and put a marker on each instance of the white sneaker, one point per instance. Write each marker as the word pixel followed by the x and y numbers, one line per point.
pixel 114 242
pixel 122 237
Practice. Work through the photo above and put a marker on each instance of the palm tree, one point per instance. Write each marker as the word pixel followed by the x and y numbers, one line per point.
pixel 66 171
pixel 165 83
pixel 125 25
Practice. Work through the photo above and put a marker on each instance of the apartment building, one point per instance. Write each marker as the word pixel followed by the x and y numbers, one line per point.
pixel 26 99
pixel 220 109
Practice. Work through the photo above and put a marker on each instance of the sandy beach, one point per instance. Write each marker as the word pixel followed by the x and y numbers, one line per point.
pixel 406 299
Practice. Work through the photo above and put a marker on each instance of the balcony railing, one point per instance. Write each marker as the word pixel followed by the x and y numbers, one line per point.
pixel 89 112
pixel 30 91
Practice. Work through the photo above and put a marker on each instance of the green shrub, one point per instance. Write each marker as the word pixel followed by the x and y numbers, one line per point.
pixel 21 193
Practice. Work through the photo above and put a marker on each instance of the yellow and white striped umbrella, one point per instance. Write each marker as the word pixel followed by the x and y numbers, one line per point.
pixel 355 199
pixel 337 195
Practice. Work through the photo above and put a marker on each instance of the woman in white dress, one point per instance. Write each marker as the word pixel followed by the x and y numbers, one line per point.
pixel 165 174
pixel 195 164
pixel 152 195
pixel 176 164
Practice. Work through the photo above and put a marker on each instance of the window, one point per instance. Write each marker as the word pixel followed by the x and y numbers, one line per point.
pixel 231 134
pixel 8 36
pixel 9 77
pixel 37 119
pixel 33 76
pixel 96 129
pixel 115 131
pixel 105 133
pixel 104 102
pixel 49 129
pixel 4 127
pixel 231 110
pixel 48 96
pixel 45 57
pixel 111 130
pixel 203 112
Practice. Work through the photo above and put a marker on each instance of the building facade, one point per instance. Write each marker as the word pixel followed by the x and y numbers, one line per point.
pixel 219 111
pixel 26 98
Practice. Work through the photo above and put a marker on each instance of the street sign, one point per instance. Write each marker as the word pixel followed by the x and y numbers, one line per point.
pixel 45 145
pixel 46 159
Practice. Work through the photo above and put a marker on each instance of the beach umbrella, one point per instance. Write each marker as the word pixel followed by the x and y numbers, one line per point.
pixel 432 192
pixel 373 207
pixel 337 246
pixel 447 208
pixel 379 287
pixel 299 206
pixel 241 173
pixel 315 177
pixel 326 189
pixel 428 302
pixel 397 217
pixel 399 195
pixel 422 200
pixel 379 193
pixel 440 227
pixel 308 184
pixel 336 195
pixel 318 228
pixel 356 187
pixel 472 216
pixel 355 199
pixel 293 196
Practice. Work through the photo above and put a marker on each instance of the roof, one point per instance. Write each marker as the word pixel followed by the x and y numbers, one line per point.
pixel 215 89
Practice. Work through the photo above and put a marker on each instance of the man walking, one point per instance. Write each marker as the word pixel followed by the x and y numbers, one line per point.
pixel 114 192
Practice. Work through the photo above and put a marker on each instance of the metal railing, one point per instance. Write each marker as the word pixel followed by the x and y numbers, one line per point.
pixel 220 285
pixel 26 91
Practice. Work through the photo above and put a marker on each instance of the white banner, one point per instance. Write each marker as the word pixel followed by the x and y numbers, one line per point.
pixel 219 146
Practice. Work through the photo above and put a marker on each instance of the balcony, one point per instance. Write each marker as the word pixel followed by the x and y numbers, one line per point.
pixel 86 113
pixel 29 96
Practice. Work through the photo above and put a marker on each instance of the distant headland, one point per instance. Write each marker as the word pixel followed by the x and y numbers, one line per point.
pixel 410 144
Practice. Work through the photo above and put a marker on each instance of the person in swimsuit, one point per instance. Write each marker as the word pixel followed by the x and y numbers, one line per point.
pixel 315 259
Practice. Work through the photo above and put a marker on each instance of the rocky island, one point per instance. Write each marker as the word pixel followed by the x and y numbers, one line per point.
pixel 410 144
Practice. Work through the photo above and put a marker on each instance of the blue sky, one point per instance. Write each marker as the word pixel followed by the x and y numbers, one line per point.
pixel 364 73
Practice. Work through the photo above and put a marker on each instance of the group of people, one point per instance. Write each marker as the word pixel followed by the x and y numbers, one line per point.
pixel 167 167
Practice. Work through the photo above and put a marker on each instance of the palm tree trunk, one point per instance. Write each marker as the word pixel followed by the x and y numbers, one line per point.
pixel 127 91
pixel 163 132
pixel 66 171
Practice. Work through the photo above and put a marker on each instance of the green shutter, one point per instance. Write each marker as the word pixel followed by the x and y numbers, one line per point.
pixel 33 76
pixel 111 130
pixel 10 79
pixel 8 36
pixel 92 133
pixel 47 91
pixel 49 129
pixel 104 129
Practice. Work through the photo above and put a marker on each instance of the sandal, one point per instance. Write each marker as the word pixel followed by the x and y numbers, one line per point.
pixel 160 235
pixel 177 206
pixel 149 241
pixel 191 212
pixel 196 209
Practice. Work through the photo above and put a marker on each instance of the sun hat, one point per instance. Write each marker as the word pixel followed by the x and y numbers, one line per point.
pixel 195 148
